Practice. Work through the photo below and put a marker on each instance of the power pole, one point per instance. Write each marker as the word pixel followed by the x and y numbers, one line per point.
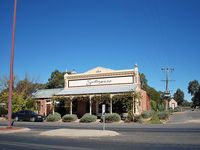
pixel 167 95
pixel 11 68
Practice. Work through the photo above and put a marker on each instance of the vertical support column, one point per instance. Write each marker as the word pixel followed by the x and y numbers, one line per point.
pixel 70 106
pixel 97 107
pixel 134 107
pixel 90 103
pixel 111 103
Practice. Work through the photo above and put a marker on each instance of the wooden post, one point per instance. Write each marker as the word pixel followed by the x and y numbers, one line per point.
pixel 90 103
pixel 97 107
pixel 111 104
pixel 70 106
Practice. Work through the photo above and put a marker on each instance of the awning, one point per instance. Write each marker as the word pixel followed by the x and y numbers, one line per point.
pixel 109 89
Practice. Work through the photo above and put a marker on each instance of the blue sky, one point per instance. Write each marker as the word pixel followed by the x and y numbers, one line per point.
pixel 83 34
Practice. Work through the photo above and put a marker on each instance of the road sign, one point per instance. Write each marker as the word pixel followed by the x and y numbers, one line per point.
pixel 103 115
pixel 103 109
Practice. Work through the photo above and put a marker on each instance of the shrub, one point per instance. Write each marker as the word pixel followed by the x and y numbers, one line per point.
pixel 153 105
pixel 161 107
pixel 138 118
pixel 69 118
pixel 3 111
pixel 170 109
pixel 147 114
pixel 57 114
pixel 112 118
pixel 88 118
pixel 155 119
pixel 177 109
pixel 130 117
pixel 164 115
pixel 53 117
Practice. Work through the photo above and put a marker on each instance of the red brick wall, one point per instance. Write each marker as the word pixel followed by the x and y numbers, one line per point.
pixel 145 101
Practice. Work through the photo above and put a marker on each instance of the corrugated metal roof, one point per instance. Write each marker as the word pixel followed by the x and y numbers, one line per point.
pixel 46 93
pixel 98 89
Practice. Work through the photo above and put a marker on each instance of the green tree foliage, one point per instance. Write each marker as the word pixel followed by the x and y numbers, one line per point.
pixel 193 87
pixel 122 103
pixel 18 102
pixel 27 87
pixel 22 92
pixel 153 105
pixel 152 92
pixel 143 81
pixel 186 103
pixel 194 90
pixel 179 96
pixel 56 80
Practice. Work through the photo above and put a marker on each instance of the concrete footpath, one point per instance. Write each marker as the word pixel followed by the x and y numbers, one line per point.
pixel 63 132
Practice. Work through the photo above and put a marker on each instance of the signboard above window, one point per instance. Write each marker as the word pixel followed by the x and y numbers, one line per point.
pixel 101 81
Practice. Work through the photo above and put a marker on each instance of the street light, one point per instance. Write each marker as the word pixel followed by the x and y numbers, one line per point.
pixel 11 68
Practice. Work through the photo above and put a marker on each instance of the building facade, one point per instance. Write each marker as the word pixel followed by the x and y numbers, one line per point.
pixel 172 104
pixel 97 82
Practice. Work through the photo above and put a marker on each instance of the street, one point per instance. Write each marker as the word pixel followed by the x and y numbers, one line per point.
pixel 184 136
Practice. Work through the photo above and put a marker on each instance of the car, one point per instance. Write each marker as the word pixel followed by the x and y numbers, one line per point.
pixel 27 115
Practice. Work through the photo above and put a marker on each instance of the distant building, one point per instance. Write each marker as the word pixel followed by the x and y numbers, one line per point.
pixel 95 82
pixel 172 104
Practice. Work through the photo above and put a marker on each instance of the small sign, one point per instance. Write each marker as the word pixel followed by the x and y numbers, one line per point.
pixel 103 115
pixel 103 109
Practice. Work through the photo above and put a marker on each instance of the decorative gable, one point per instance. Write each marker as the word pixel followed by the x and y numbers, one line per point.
pixel 99 70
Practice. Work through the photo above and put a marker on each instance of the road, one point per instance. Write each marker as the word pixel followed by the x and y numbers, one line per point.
pixel 175 136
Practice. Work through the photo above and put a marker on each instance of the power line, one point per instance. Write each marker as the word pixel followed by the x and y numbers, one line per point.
pixel 167 71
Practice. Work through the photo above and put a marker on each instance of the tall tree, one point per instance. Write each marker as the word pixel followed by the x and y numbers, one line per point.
pixel 143 81
pixel 56 80
pixel 179 96
pixel 27 86
pixel 193 87
pixel 194 90
pixel 22 92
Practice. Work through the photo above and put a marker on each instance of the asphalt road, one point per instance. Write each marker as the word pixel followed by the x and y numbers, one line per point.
pixel 182 135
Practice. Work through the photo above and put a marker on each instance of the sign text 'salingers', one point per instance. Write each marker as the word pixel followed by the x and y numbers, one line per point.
pixel 101 81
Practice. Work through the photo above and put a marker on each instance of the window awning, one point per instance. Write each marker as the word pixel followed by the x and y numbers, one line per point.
pixel 109 89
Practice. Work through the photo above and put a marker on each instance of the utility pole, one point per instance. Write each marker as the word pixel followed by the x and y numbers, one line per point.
pixel 167 71
pixel 11 68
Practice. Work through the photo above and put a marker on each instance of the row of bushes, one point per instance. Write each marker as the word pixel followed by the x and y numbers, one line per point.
pixel 85 118
pixel 109 118
pixel 155 117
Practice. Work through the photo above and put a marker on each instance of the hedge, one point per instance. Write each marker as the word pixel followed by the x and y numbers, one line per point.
pixel 112 118
pixel 69 118
pixel 53 117
pixel 88 118
pixel 147 114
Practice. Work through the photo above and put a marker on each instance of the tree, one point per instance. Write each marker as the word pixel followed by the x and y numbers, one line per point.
pixel 27 86
pixel 179 96
pixel 186 103
pixel 56 80
pixel 152 92
pixel 22 93
pixel 143 81
pixel 196 99
pixel 193 87
pixel 194 90
pixel 18 103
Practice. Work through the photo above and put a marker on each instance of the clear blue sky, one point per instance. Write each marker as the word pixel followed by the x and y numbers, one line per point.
pixel 83 34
